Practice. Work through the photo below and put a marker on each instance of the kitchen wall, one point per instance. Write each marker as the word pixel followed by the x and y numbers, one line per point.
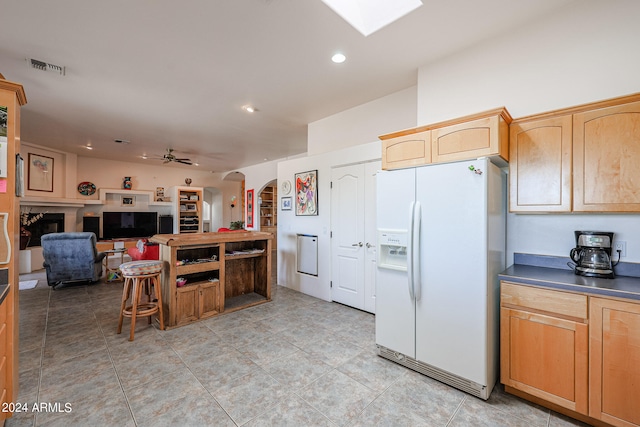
pixel 364 123
pixel 581 54
pixel 290 225
pixel 345 138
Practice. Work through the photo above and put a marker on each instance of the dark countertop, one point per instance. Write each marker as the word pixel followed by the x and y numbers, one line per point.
pixel 565 279
pixel 4 290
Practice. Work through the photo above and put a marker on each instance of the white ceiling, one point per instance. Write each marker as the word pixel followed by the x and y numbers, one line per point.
pixel 162 73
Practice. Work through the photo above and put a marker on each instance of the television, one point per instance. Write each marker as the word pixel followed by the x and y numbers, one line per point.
pixel 117 225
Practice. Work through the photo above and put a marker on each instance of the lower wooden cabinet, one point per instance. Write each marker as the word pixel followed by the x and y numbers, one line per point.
pixel 4 366
pixel 197 301
pixel 560 354
pixel 614 361
pixel 544 345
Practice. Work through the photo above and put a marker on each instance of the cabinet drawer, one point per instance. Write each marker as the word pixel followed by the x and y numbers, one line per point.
pixel 557 302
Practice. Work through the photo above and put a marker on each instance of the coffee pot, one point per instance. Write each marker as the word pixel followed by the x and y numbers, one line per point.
pixel 592 254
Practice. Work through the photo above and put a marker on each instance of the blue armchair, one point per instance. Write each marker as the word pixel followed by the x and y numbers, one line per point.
pixel 71 257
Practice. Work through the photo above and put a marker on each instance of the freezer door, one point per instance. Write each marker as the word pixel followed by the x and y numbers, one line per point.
pixel 451 314
pixel 395 310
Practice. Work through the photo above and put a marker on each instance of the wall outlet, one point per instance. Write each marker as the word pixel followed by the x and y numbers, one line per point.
pixel 620 246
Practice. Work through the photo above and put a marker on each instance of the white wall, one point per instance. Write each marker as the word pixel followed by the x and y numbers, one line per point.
pixel 579 54
pixel 289 225
pixel 584 53
pixel 364 123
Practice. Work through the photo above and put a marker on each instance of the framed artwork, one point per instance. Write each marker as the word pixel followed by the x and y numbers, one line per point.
pixel 307 193
pixel 250 197
pixel 285 203
pixel 128 201
pixel 40 173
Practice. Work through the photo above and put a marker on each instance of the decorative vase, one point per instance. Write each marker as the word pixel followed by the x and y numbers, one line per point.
pixel 188 181
pixel 126 184
pixel 25 237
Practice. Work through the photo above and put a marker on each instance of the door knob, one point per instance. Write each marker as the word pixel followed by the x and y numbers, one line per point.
pixel 359 244
pixel 369 245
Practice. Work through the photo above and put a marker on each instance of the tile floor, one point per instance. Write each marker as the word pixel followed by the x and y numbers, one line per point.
pixel 296 361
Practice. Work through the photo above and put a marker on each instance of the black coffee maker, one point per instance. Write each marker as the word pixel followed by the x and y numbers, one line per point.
pixel 592 254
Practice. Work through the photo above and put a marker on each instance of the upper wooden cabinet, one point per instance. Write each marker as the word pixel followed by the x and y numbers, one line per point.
pixel 480 135
pixel 580 159
pixel 540 177
pixel 606 153
pixel 406 150
pixel 484 137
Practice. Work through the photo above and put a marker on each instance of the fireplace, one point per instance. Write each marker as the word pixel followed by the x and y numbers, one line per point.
pixel 49 223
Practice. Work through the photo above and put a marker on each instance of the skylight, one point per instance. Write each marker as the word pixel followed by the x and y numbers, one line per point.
pixel 368 16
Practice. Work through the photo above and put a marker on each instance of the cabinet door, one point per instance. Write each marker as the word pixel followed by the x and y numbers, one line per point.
pixel 487 136
pixel 187 301
pixel 540 165
pixel 406 151
pixel 614 344
pixel 209 299
pixel 4 369
pixel 606 151
pixel 545 356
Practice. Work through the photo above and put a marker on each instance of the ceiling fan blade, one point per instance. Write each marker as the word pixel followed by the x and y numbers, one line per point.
pixel 183 162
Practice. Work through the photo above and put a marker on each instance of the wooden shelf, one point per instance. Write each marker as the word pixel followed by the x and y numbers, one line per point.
pixel 187 205
pixel 243 280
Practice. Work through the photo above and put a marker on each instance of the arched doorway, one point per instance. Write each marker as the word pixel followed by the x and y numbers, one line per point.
pixel 268 214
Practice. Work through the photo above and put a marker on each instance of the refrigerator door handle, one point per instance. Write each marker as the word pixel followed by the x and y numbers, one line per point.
pixel 415 250
pixel 410 250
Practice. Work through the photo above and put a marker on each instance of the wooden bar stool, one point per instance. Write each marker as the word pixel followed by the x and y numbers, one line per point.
pixel 139 275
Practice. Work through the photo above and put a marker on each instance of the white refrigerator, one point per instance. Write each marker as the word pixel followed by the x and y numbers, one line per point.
pixel 441 244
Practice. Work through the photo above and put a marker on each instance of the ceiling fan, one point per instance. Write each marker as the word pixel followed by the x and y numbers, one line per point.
pixel 170 157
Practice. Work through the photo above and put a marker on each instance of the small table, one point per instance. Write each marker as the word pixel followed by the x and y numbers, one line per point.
pixel 114 274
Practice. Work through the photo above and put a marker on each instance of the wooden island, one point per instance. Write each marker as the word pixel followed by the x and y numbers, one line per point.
pixel 224 272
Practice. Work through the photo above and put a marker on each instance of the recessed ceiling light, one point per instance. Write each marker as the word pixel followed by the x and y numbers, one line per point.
pixel 338 58
pixel 144 156
pixel 249 108
pixel 88 147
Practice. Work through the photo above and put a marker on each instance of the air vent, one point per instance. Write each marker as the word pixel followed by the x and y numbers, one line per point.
pixel 45 66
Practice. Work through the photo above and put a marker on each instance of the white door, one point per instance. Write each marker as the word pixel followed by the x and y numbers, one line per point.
pixel 347 235
pixel 451 311
pixel 353 249
pixel 395 308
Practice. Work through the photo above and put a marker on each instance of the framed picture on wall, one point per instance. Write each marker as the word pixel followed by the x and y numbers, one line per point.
pixel 307 193
pixel 285 203
pixel 250 197
pixel 40 173
pixel 128 201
